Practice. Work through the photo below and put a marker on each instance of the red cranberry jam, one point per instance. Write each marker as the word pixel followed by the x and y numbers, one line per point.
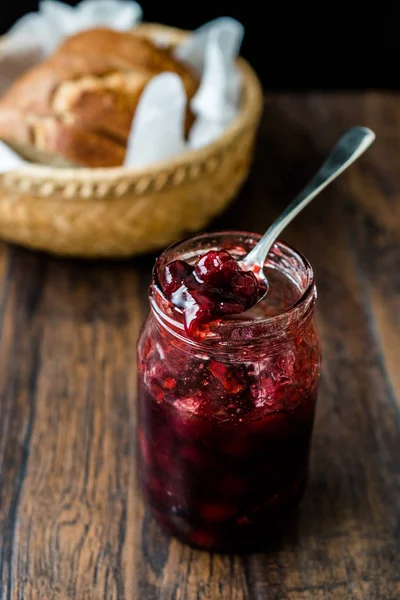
pixel 225 421
pixel 214 287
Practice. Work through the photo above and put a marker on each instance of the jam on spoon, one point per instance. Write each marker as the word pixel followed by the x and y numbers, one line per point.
pixel 217 286
pixel 213 288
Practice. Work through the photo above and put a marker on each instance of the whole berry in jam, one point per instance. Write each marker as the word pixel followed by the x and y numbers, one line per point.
pixel 174 274
pixel 216 268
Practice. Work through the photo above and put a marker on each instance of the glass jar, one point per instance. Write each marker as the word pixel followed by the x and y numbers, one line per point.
pixel 224 426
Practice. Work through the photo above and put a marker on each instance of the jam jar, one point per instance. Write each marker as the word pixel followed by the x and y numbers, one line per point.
pixel 224 424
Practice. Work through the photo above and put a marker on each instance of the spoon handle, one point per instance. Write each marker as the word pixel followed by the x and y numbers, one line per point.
pixel 350 146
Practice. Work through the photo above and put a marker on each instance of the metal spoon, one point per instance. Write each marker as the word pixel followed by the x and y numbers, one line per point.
pixel 350 146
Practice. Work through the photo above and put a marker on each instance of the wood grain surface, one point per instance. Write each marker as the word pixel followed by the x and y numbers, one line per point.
pixel 72 525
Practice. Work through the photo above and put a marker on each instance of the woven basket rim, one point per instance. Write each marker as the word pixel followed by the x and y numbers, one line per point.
pixel 248 112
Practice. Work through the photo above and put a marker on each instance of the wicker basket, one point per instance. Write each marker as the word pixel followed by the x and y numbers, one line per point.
pixel 117 212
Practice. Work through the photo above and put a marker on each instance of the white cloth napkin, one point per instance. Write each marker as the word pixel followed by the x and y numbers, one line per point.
pixel 9 160
pixel 157 129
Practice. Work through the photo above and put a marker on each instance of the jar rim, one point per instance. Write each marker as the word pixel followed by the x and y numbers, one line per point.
pixel 300 307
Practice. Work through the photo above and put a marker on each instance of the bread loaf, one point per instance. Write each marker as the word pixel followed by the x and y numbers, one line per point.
pixel 76 108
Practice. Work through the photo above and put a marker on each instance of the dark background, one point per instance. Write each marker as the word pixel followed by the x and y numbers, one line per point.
pixel 293 45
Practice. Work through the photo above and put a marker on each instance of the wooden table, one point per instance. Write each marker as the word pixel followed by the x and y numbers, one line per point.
pixel 72 525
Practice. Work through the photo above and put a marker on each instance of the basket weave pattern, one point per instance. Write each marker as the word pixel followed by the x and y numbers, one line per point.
pixel 121 212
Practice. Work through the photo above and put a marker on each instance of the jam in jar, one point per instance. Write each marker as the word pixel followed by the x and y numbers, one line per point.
pixel 225 418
